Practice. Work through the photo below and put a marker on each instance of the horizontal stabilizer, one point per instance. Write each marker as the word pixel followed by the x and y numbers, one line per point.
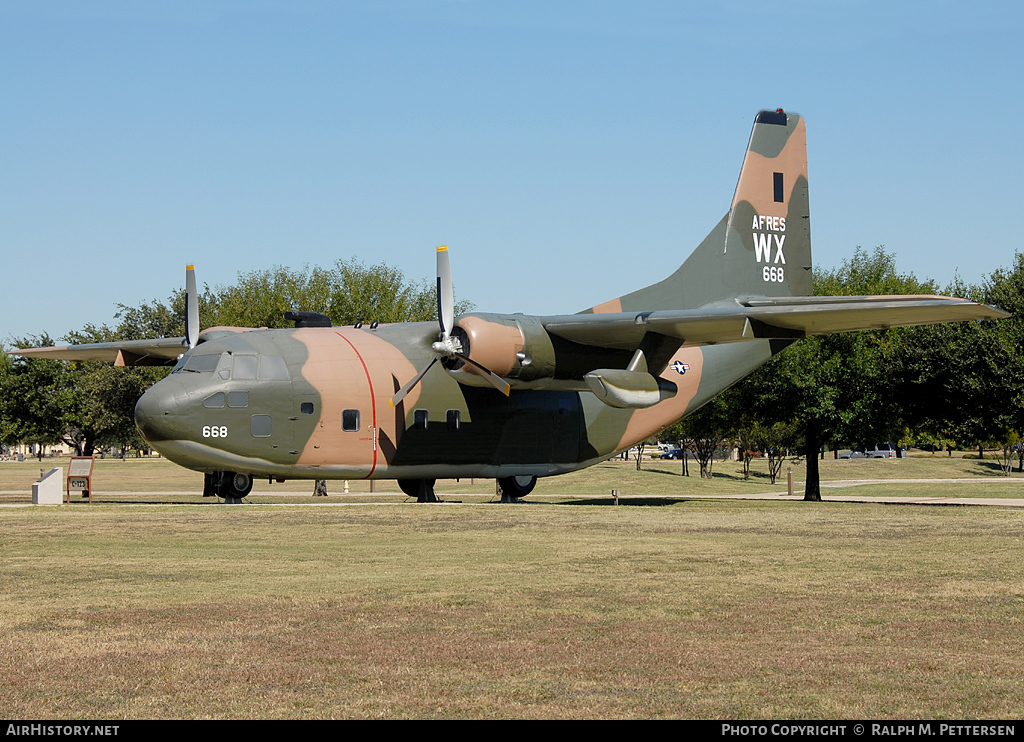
pixel 782 317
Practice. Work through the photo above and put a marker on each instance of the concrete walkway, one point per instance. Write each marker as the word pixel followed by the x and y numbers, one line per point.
pixel 1004 502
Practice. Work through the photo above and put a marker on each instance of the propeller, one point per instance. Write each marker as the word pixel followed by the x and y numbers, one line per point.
pixel 191 308
pixel 447 345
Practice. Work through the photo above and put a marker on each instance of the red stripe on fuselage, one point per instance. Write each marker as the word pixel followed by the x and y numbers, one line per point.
pixel 373 401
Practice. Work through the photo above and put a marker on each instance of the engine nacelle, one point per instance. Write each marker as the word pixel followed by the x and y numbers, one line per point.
pixel 514 346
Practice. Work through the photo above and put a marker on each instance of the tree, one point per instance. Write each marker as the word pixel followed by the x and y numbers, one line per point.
pixel 777 441
pixel 110 394
pixel 704 430
pixel 964 380
pixel 39 399
pixel 841 387
pixel 348 292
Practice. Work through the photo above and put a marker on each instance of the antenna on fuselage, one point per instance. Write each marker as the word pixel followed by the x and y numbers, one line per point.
pixel 308 319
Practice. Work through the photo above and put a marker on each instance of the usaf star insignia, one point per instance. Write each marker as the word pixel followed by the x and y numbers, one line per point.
pixel 680 368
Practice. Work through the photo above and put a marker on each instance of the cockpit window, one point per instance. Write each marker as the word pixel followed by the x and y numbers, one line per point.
pixel 197 363
pixel 246 366
pixel 214 400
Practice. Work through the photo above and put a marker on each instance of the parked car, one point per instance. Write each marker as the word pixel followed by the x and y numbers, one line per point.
pixel 880 451
pixel 675 453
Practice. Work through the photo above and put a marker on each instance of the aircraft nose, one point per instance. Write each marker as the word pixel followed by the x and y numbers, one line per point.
pixel 154 412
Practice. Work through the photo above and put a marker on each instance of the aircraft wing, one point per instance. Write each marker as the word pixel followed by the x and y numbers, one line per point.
pixel 769 318
pixel 160 352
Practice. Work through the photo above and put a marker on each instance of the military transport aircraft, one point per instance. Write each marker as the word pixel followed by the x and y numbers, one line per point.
pixel 509 396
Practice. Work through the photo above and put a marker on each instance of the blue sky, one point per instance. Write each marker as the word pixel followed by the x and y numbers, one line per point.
pixel 567 152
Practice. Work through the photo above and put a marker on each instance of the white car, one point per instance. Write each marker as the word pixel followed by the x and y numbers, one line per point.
pixel 880 451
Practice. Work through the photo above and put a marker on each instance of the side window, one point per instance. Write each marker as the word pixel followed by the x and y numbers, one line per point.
pixel 454 419
pixel 350 420
pixel 421 419
pixel 238 399
pixel 306 408
pixel 214 400
pixel 260 426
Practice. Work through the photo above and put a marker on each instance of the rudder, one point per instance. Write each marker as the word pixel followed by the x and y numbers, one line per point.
pixel 767 249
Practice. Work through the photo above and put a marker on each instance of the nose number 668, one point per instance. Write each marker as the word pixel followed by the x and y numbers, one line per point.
pixel 215 431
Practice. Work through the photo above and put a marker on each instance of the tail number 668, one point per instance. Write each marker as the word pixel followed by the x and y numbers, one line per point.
pixel 215 431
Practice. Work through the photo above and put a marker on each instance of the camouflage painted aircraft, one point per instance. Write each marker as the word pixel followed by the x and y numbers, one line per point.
pixel 509 396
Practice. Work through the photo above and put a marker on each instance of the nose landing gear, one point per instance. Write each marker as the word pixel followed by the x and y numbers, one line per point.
pixel 227 484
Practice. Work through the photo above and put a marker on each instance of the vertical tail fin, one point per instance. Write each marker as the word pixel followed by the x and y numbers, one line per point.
pixel 762 247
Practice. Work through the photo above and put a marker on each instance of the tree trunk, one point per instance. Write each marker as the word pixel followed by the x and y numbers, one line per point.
pixel 812 491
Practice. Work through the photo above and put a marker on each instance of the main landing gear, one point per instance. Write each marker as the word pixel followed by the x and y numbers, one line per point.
pixel 421 489
pixel 513 489
pixel 227 484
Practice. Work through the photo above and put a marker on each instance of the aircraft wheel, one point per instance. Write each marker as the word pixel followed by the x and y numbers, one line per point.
pixel 421 489
pixel 512 488
pixel 235 486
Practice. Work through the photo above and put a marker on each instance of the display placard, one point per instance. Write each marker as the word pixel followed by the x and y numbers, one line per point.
pixel 80 476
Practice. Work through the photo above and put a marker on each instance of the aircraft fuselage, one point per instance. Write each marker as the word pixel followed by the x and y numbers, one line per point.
pixel 314 403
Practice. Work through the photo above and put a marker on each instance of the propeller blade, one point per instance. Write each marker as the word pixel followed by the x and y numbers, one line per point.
pixel 400 394
pixel 496 381
pixel 445 347
pixel 191 308
pixel 445 292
